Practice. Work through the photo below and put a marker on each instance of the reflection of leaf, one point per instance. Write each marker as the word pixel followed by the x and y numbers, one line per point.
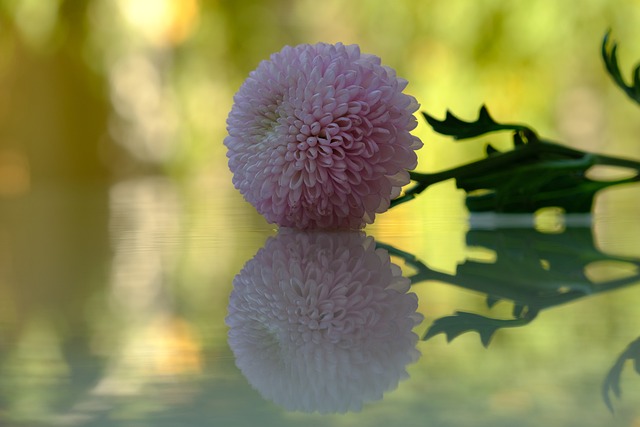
pixel 612 384
pixel 492 300
pixel 459 129
pixel 518 310
pixel 533 270
pixel 461 322
pixel 612 381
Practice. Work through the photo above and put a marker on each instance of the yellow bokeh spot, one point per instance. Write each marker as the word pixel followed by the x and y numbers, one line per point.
pixel 162 22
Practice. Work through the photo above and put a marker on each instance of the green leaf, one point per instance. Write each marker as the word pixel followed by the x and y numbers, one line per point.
pixel 460 129
pixel 491 150
pixel 610 57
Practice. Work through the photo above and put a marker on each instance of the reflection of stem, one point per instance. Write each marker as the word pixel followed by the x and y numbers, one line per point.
pixel 531 299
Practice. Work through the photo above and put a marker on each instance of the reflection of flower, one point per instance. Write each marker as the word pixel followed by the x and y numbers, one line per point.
pixel 319 137
pixel 322 321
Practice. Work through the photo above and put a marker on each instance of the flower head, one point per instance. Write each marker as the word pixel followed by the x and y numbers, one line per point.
pixel 322 321
pixel 319 137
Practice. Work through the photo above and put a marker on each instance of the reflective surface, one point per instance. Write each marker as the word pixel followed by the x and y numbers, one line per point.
pixel 114 302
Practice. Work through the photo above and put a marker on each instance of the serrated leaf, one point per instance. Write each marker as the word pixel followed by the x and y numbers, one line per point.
pixel 461 322
pixel 636 80
pixel 491 150
pixel 524 136
pixel 460 129
pixel 610 57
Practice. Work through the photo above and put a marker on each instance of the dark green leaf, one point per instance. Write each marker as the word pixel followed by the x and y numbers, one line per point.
pixel 460 129
pixel 490 150
pixel 610 57
pixel 524 136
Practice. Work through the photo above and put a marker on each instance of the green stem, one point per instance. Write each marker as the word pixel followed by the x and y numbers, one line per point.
pixel 527 154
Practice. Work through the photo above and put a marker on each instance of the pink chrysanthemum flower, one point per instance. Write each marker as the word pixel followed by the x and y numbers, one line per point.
pixel 319 137
pixel 322 321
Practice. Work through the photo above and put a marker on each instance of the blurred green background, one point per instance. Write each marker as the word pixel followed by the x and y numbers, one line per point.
pixel 102 89
pixel 120 231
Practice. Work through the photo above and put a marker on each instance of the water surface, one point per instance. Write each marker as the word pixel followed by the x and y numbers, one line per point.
pixel 113 305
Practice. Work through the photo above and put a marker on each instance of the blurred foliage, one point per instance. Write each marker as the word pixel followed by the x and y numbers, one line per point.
pixel 68 112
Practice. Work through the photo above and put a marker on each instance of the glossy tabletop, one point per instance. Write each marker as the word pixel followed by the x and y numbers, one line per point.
pixel 114 299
